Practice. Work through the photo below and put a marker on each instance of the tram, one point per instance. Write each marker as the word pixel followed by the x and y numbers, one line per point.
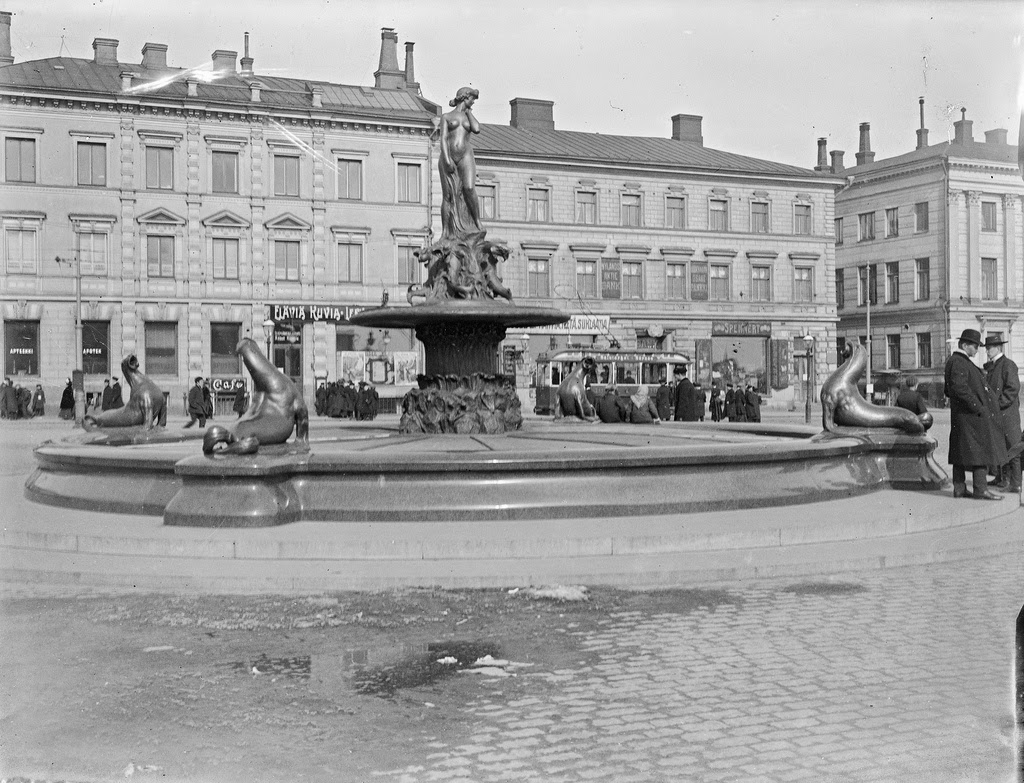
pixel 624 369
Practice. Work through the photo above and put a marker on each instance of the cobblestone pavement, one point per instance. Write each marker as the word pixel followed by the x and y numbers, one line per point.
pixel 902 676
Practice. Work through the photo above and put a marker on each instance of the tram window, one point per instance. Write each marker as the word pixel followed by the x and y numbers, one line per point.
pixel 626 372
pixel 604 372
pixel 651 373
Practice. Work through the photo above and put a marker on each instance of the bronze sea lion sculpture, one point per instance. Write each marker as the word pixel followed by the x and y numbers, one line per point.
pixel 572 394
pixel 276 409
pixel 843 406
pixel 145 407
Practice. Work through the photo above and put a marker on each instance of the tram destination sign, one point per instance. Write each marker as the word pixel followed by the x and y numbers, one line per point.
pixel 741 329
pixel 311 313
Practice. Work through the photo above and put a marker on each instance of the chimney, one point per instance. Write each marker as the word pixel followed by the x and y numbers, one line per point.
pixel 126 80
pixel 105 50
pixel 997 136
pixel 410 74
pixel 254 91
pixel 246 59
pixel 224 60
pixel 822 155
pixel 388 75
pixel 532 114
pixel 317 95
pixel 686 127
pixel 6 58
pixel 837 161
pixel 154 55
pixel 922 132
pixel 865 155
pixel 963 129
pixel 192 86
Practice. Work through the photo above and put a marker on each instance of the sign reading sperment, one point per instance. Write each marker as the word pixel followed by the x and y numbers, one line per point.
pixel 741 329
pixel 310 313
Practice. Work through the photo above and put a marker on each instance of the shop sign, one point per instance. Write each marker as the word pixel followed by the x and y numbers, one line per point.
pixel 223 385
pixel 577 324
pixel 611 278
pixel 313 313
pixel 287 336
pixel 699 281
pixel 741 329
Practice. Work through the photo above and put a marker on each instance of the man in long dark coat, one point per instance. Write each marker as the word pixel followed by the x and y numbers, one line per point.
pixel 1004 380
pixel 752 404
pixel 663 401
pixel 107 395
pixel 196 404
pixel 116 400
pixel 975 438
pixel 683 402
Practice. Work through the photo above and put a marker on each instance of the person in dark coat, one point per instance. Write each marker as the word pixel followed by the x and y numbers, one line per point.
pixel 374 402
pixel 717 403
pixel 700 401
pixel 38 401
pixel 207 399
pixel 362 402
pixel 8 400
pixel 196 403
pixel 320 401
pixel 684 406
pixel 610 407
pixel 663 401
pixel 975 437
pixel 752 404
pixel 116 401
pixel 910 398
pixel 240 404
pixel 24 402
pixel 107 396
pixel 642 409
pixel 67 402
pixel 729 405
pixel 1004 380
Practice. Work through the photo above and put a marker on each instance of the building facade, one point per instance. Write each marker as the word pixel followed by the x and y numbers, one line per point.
pixel 665 244
pixel 929 243
pixel 177 210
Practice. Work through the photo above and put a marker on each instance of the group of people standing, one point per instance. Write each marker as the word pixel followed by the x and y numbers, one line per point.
pixel 985 426
pixel 21 402
pixel 343 400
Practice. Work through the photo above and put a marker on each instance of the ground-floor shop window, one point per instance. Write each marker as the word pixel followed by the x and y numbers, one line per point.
pixel 21 348
pixel 96 347
pixel 740 361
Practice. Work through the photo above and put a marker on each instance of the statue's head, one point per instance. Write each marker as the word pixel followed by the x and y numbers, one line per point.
pixel 464 94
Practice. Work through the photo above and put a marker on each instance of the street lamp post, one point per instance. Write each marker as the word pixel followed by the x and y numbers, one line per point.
pixel 809 347
pixel 76 264
pixel 268 332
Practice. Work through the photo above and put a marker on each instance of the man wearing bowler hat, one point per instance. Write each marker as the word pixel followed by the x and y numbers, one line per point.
pixel 1004 381
pixel 975 438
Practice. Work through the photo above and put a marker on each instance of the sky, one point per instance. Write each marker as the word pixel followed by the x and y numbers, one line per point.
pixel 769 77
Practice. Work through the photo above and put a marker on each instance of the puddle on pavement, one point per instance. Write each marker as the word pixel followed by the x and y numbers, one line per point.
pixel 375 672
pixel 825 588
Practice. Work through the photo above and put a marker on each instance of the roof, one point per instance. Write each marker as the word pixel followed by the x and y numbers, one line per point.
pixel 976 151
pixel 72 76
pixel 563 145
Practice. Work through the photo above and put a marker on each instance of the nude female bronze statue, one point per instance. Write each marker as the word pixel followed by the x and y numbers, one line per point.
pixel 460 210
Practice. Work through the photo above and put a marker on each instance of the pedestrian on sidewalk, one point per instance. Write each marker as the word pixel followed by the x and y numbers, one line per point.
pixel 910 398
pixel 975 438
pixel 38 401
pixel 67 402
pixel 196 403
pixel 1003 378
pixel 239 405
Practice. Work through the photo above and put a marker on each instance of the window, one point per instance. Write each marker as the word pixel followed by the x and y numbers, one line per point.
pixel 350 262
pixel 676 286
pixel 632 280
pixel 223 341
pixel 892 282
pixel 718 215
pixel 719 283
pixel 286 175
pixel 96 347
pixel 922 279
pixel 537 204
pixel 920 217
pixel 20 160
pixel 802 219
pixel 865 226
pixel 409 183
pixel 350 179
pixel 161 343
pixel 631 209
pixel 586 278
pixel 989 281
pixel 286 260
pixel 675 212
pixel 759 217
pixel 92 163
pixel 20 251
pixel 408 265
pixel 92 253
pixel 225 258
pixel 586 207
pixel 160 168
pixel 867 285
pixel 892 353
pixel 924 349
pixel 839 230
pixel 840 289
pixel 21 347
pixel 761 283
pixel 803 284
pixel 225 172
pixel 892 222
pixel 538 276
pixel 160 256
pixel 988 216
pixel 487 197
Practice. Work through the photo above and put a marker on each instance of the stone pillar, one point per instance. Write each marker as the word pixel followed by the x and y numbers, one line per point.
pixel 974 244
pixel 1011 257
pixel 314 287
pixel 323 349
pixel 954 266
pixel 196 354
pixel 193 286
pixel 129 227
pixel 257 282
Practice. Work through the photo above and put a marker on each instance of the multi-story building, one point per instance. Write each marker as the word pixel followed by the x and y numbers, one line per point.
pixel 196 206
pixel 929 243
pixel 664 243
